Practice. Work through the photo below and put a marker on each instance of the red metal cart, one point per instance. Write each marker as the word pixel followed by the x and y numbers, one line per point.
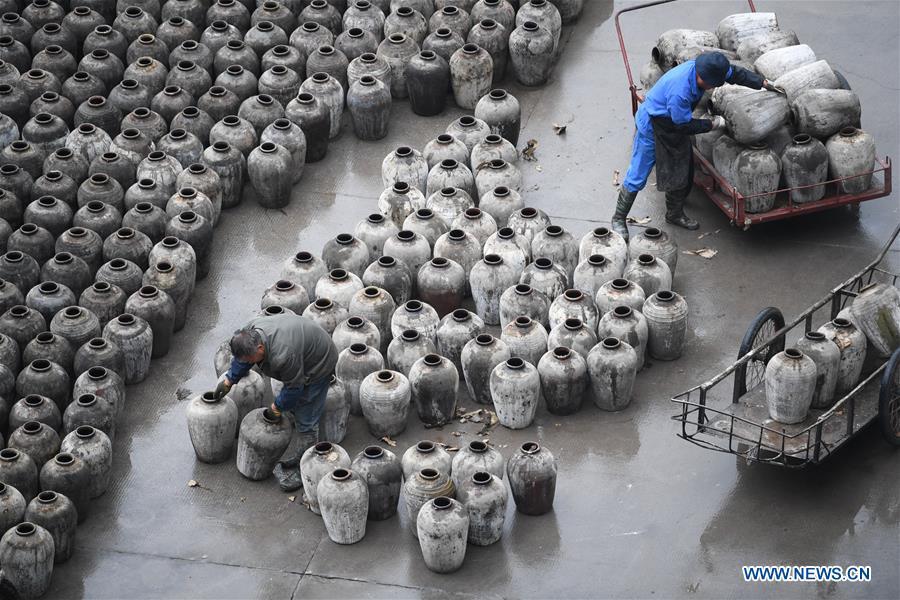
pixel 732 202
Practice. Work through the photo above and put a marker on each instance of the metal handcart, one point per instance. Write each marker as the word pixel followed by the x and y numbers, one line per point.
pixel 732 202
pixel 735 418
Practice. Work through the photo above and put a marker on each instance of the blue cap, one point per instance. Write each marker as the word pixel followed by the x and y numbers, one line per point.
pixel 712 67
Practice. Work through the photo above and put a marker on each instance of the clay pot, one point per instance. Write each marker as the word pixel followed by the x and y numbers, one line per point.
pixel 531 51
pixel 528 221
pixel 326 314
pixel 531 473
pixel 122 273
pixel 827 358
pixel 229 164
pixel 612 366
pixel 369 103
pixel 27 552
pixel 305 270
pixel 427 79
pixel 353 366
pixel 57 515
pixel 666 314
pixel 380 470
pixel 134 337
pixel 564 378
pixel 212 423
pixel 805 163
pixel 408 21
pixel 344 503
pixel 443 528
pixel 434 383
pixel 286 294
pixel 418 316
pixel 592 273
pixel 850 152
pixel 485 499
pixel 356 330
pixel 790 384
pixel 650 273
pixel 515 389
pixel 384 398
pixel 493 147
pixel 262 440
pixel 269 169
pixel 488 279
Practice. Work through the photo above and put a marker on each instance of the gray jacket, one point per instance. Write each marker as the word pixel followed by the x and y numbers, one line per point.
pixel 298 351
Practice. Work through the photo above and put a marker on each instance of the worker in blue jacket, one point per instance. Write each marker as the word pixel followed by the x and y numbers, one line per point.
pixel 665 125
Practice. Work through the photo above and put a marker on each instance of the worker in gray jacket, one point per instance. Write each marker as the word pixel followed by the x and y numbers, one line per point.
pixel 296 351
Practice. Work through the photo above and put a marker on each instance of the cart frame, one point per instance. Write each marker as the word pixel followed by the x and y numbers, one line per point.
pixel 733 203
pixel 824 431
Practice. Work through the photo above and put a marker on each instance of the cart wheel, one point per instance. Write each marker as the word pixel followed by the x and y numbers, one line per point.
pixel 751 373
pixel 889 400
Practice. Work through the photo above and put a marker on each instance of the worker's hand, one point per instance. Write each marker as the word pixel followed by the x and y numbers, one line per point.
pixel 275 410
pixel 768 85
pixel 718 122
pixel 223 387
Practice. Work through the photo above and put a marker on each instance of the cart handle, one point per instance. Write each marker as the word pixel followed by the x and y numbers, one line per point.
pixel 631 86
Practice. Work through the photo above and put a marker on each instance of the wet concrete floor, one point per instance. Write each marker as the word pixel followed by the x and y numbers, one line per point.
pixel 639 512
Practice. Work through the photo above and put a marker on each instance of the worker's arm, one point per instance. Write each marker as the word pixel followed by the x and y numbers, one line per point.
pixel 741 76
pixel 238 370
pixel 681 118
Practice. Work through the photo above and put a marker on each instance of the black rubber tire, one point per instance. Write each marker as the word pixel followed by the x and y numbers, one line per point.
pixel 768 321
pixel 889 401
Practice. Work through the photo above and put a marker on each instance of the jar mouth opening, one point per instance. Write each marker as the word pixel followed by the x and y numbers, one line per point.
pixel 597 260
pixel 573 323
pixel 493 259
pixel 85 432
pixel 620 283
pixel 273 310
pixel 271 417
pixel 562 352
pixel 816 336
pixel 97 372
pixel 622 311
pixel 793 353
pixel 429 474
pixel 324 448
pixel 340 474
pixel 410 335
pixel 496 94
pixel 425 446
pixel 573 295
pixel 283 285
pixel 531 448
pixel 338 274
pixel 665 296
pixel 515 363
pixel 442 503
pixel 461 314
pixel 373 452
pixel 440 262
pixel 841 322
pixel 384 376
pixel 848 131
pixel 466 121
pixel 611 343
pixel 358 348
pixel 432 360
pixel 413 306
pixel 484 339
pixel 523 321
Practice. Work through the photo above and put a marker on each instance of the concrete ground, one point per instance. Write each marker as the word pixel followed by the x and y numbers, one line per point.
pixel 639 512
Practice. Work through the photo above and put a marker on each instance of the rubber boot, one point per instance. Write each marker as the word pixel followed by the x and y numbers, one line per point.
pixel 287 472
pixel 675 211
pixel 624 202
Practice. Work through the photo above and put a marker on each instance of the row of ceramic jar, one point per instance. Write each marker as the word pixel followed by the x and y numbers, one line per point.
pixel 347 494
pixel 824 365
pixel 759 171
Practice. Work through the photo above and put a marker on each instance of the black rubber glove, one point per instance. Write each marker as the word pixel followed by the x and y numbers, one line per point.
pixel 223 387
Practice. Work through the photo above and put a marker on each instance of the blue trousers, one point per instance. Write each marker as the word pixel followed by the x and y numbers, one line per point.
pixel 306 402
pixel 643 157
